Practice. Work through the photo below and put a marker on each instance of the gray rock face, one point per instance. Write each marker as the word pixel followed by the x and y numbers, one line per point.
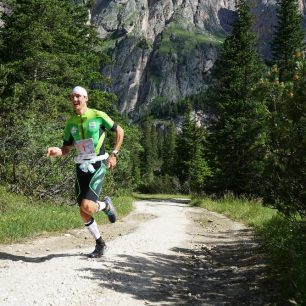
pixel 163 50
pixel 3 9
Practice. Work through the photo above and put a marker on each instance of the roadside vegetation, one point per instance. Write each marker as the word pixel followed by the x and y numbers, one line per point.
pixel 22 217
pixel 283 240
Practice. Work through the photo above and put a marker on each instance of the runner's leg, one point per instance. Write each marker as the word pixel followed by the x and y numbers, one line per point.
pixel 88 189
pixel 93 229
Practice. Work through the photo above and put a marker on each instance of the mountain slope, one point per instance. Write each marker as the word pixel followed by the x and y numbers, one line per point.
pixel 163 50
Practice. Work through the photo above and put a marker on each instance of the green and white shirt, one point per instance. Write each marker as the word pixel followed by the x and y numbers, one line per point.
pixel 91 124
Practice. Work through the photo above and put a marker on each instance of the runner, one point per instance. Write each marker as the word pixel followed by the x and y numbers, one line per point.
pixel 86 131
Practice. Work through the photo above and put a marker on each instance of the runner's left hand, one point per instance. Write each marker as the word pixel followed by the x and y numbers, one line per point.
pixel 112 161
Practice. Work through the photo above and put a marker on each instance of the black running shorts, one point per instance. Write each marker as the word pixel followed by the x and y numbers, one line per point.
pixel 89 185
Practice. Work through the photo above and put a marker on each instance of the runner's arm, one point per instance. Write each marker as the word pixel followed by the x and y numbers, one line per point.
pixel 119 138
pixel 118 142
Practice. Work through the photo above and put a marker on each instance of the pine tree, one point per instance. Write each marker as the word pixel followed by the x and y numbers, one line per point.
pixel 199 171
pixel 168 152
pixel 147 160
pixel 185 147
pixel 154 147
pixel 49 42
pixel 237 121
pixel 288 37
pixel 285 171
pixel 285 97
pixel 46 47
pixel 191 166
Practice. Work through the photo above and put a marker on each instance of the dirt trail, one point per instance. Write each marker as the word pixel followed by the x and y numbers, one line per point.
pixel 164 253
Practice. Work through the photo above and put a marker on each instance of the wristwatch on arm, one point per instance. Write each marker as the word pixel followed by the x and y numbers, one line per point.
pixel 115 153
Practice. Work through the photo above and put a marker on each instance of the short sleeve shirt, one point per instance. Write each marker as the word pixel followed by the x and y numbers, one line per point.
pixel 91 124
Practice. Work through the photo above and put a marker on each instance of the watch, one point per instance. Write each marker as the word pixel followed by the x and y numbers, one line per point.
pixel 115 153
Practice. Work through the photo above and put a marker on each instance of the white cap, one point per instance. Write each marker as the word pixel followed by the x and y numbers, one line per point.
pixel 79 90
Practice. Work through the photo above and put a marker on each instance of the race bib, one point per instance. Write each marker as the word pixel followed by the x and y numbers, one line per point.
pixel 85 148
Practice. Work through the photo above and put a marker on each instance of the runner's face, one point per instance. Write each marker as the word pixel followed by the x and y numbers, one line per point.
pixel 79 103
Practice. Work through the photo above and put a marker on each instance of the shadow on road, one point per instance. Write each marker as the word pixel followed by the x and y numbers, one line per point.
pixel 7 256
pixel 226 273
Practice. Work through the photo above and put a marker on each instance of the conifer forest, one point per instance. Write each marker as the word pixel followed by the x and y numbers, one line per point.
pixel 250 141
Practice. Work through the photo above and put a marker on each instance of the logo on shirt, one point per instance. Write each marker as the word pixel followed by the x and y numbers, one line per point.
pixel 92 125
pixel 73 130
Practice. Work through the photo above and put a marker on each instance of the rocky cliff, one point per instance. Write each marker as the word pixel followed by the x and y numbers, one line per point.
pixel 163 50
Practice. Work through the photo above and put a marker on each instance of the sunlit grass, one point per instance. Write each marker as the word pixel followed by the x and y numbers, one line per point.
pixel 250 212
pixel 27 220
pixel 21 217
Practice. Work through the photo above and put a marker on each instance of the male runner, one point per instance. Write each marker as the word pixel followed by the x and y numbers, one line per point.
pixel 86 130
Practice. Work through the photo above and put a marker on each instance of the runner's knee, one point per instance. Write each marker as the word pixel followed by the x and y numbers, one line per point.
pixel 85 217
pixel 88 206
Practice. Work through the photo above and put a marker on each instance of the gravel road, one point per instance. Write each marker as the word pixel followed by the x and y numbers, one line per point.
pixel 164 253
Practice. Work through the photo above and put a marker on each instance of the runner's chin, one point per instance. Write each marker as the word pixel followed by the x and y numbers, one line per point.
pixel 76 108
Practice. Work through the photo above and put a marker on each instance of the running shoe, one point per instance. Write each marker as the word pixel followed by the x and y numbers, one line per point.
pixel 110 210
pixel 98 252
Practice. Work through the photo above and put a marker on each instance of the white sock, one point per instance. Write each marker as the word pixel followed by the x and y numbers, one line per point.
pixel 101 205
pixel 92 226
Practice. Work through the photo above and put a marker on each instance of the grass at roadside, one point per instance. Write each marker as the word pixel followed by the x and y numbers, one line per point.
pixel 284 241
pixel 21 217
pixel 161 196
pixel 251 213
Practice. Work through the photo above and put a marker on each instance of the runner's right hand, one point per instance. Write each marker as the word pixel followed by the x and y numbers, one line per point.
pixel 54 151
